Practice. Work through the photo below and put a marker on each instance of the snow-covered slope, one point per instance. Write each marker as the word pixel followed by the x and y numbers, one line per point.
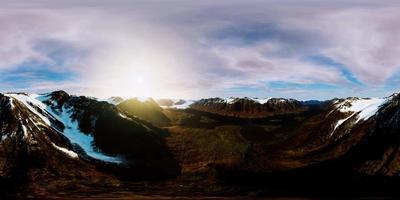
pixel 48 117
pixel 357 108
pixel 85 141
pixel 365 108
pixel 33 104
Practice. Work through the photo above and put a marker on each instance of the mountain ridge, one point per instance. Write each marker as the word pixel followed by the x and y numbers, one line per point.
pixel 219 141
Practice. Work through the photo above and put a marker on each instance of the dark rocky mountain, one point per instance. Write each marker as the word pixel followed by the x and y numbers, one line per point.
pixel 58 144
pixel 249 107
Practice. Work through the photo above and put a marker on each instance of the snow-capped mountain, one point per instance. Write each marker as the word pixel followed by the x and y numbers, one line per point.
pixel 248 107
pixel 175 103
pixel 358 134
pixel 59 118
pixel 355 133
pixel 359 109
pixel 115 100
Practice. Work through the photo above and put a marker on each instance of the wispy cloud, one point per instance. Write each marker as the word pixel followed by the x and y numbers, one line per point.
pixel 198 49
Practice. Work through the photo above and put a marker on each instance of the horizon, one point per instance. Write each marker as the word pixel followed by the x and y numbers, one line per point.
pixel 305 50
pixel 141 98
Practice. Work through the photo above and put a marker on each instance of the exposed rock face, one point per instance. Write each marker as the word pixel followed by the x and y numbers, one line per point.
pixel 247 107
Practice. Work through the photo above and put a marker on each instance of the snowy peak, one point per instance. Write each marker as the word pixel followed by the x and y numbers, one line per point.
pixel 357 109
pixel 115 100
pixel 364 108
pixel 27 129
pixel 232 100
pixel 49 112
pixel 249 107
pixel 32 104
pixel 34 118
pixel 174 103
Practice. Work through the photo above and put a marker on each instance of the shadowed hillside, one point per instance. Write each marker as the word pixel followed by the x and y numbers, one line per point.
pixel 148 110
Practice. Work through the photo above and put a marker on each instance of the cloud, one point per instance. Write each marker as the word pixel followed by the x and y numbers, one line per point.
pixel 198 49
pixel 362 39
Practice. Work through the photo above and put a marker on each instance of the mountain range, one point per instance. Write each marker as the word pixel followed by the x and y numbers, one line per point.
pixel 62 145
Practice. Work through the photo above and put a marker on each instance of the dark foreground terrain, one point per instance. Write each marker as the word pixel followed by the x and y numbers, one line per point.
pixel 61 146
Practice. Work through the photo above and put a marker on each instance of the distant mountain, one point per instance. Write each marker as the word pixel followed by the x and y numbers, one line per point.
pixel 174 103
pixel 248 107
pixel 349 144
pixel 115 100
pixel 147 109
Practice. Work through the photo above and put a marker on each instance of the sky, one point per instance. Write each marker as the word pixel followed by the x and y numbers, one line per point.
pixel 303 49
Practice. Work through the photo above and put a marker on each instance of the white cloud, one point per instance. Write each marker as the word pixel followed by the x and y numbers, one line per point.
pixel 195 49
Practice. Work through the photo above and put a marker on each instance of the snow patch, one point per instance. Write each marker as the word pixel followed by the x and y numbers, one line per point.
pixel 114 100
pixel 66 151
pixel 25 131
pixel 184 105
pixel 231 100
pixel 28 101
pixel 261 100
pixel 11 103
pixel 363 109
pixel 124 116
pixel 3 136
